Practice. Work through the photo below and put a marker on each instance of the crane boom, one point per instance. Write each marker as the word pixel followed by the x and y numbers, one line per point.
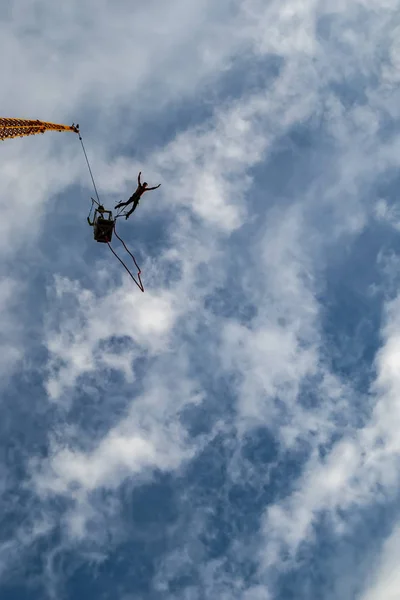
pixel 12 128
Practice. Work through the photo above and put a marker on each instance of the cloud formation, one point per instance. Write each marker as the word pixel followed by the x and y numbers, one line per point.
pixel 232 432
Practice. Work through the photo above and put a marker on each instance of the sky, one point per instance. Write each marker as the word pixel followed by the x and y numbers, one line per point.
pixel 232 432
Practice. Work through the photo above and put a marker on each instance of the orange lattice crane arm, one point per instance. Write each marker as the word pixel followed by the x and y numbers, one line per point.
pixel 12 128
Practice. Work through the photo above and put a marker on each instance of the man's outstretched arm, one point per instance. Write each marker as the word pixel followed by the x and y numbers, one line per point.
pixel 153 188
pixel 138 178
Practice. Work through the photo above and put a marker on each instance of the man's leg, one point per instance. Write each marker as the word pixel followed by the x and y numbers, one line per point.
pixel 133 198
pixel 122 204
pixel 132 209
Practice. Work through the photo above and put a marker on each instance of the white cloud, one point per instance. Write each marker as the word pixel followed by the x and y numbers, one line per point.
pixel 116 457
pixel 74 343
pixel 360 469
pixel 11 329
pixel 385 582
pixel 149 438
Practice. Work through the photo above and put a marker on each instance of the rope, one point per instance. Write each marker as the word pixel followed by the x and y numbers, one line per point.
pixel 90 170
pixel 90 212
pixel 120 212
pixel 140 284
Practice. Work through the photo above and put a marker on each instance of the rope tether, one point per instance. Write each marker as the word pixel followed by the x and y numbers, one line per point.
pixel 90 170
pixel 139 284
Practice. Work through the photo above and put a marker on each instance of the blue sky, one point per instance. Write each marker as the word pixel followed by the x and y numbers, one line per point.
pixel 231 433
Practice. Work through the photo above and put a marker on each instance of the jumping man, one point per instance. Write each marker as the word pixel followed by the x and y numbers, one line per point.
pixel 140 190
